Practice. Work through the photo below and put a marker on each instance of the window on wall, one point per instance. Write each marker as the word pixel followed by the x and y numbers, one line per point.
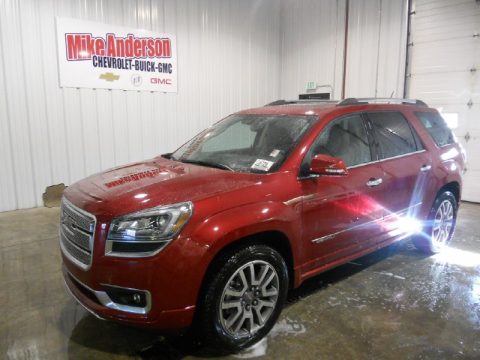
pixel 436 127
pixel 393 133
pixel 345 138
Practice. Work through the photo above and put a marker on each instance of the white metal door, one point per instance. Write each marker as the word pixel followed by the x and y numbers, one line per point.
pixel 444 71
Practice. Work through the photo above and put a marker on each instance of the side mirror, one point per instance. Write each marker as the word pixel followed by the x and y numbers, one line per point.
pixel 322 164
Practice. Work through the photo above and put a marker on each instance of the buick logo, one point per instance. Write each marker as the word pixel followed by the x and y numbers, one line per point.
pixel 136 80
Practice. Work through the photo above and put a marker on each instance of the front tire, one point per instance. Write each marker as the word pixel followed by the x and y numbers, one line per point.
pixel 440 226
pixel 243 297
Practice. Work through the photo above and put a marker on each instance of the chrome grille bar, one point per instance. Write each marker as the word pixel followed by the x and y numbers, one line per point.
pixel 77 231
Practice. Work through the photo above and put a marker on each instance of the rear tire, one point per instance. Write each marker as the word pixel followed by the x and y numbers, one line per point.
pixel 243 297
pixel 440 225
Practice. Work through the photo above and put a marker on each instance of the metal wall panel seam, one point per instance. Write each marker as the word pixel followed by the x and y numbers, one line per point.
pixel 380 15
pixel 22 139
pixel 335 52
pixel 67 149
pixel 35 156
pixel 82 132
pixel 9 129
pixel 42 65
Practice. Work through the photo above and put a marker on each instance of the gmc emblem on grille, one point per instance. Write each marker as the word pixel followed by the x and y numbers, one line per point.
pixel 68 222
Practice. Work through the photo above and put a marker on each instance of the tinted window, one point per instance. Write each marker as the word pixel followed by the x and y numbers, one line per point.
pixel 436 127
pixel 344 138
pixel 393 133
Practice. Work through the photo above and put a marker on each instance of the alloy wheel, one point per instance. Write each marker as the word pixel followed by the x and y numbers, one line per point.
pixel 249 299
pixel 442 224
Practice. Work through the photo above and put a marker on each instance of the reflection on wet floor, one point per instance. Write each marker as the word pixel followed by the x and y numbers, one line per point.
pixel 391 304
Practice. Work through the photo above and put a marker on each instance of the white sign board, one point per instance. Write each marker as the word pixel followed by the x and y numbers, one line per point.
pixel 96 55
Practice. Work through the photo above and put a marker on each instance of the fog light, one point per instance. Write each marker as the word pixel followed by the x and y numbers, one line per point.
pixel 124 296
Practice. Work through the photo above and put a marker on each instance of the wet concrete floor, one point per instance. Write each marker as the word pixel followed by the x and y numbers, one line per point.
pixel 392 304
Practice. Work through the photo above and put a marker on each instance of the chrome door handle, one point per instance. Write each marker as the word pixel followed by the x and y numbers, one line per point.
pixel 374 182
pixel 425 168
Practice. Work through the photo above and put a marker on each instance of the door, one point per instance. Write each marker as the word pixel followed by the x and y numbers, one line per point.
pixel 470 139
pixel 341 213
pixel 406 168
pixel 444 70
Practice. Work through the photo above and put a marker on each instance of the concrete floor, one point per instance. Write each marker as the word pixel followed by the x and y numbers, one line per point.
pixel 392 304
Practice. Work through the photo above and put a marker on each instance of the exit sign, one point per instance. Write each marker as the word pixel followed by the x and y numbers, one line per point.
pixel 311 85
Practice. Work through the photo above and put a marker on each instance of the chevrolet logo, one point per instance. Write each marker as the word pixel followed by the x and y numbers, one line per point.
pixel 108 76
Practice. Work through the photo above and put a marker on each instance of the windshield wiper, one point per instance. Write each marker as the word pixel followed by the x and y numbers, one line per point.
pixel 207 163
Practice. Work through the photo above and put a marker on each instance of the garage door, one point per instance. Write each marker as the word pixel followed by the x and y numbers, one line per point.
pixel 444 71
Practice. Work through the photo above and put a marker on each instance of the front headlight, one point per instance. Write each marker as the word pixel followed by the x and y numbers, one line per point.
pixel 146 232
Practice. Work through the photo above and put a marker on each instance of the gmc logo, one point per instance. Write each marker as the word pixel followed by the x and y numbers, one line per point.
pixel 159 81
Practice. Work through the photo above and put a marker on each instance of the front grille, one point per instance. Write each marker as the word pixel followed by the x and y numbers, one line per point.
pixel 77 228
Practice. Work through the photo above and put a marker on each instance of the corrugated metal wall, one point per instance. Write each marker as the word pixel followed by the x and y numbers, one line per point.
pixel 228 59
pixel 313 47
pixel 376 51
pixel 313 34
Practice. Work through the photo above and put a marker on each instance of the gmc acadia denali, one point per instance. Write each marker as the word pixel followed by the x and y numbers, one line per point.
pixel 216 233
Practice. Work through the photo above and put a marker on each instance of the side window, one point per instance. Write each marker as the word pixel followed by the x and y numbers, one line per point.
pixel 344 138
pixel 436 127
pixel 394 135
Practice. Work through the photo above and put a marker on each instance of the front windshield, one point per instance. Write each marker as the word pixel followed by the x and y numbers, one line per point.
pixel 246 143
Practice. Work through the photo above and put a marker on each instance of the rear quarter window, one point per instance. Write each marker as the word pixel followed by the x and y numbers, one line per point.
pixel 436 127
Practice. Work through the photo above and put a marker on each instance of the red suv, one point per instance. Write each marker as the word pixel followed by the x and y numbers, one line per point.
pixel 216 233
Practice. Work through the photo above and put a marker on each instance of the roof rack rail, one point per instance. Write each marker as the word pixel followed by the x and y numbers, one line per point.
pixel 303 101
pixel 359 101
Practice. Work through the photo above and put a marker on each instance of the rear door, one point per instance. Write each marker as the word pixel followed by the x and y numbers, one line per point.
pixel 406 167
pixel 342 214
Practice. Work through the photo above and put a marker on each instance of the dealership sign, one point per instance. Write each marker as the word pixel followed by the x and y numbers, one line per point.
pixel 96 55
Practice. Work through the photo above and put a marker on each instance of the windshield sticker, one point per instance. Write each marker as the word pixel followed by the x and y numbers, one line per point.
pixel 263 165
pixel 275 153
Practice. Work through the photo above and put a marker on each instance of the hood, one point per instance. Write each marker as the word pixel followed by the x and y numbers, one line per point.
pixel 153 183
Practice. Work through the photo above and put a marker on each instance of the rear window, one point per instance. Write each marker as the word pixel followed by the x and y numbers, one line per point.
pixel 393 133
pixel 436 127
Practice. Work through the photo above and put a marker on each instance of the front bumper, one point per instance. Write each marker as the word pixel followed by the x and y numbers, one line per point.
pixel 103 298
pixel 100 304
pixel 158 291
